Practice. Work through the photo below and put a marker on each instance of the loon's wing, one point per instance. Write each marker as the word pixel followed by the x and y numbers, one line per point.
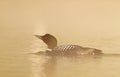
pixel 63 48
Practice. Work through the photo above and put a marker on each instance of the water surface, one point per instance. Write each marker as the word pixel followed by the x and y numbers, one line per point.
pixel 16 60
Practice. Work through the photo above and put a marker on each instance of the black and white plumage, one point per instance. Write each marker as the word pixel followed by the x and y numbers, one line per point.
pixel 66 50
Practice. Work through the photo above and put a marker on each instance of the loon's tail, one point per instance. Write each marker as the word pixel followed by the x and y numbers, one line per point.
pixel 50 40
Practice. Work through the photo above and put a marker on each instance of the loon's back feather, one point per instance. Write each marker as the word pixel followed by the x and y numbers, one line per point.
pixel 67 48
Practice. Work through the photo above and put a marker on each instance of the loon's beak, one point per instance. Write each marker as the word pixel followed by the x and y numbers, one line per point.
pixel 38 36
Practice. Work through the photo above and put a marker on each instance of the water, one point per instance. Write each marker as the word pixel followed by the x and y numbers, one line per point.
pixel 16 60
pixel 76 67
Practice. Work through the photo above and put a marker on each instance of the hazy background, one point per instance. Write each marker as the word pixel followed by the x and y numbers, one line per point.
pixel 93 23
pixel 89 23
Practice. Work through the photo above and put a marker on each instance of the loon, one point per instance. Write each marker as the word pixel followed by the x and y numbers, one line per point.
pixel 65 50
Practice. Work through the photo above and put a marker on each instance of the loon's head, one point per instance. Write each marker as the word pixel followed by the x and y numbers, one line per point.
pixel 50 40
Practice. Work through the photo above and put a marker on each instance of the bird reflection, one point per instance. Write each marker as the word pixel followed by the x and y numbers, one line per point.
pixel 43 66
pixel 47 66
